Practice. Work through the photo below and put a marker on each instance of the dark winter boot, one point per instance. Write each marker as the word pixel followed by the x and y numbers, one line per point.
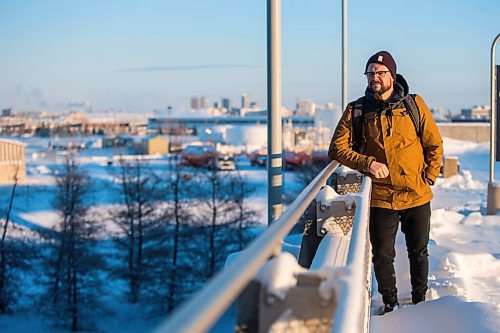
pixel 417 296
pixel 389 307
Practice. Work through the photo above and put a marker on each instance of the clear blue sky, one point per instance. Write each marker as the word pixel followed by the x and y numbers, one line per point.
pixel 145 55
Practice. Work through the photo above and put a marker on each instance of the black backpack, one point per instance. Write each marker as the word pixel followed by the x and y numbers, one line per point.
pixel 358 117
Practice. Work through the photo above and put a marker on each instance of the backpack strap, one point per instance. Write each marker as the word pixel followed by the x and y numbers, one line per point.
pixel 358 119
pixel 413 111
pixel 357 123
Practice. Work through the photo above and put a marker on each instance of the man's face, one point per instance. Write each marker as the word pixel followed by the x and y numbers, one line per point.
pixel 379 83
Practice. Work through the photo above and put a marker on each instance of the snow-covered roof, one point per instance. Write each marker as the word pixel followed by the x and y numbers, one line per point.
pixel 12 142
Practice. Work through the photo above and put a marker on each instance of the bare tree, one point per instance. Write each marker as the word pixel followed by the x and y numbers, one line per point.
pixel 73 263
pixel 6 291
pixel 246 216
pixel 138 221
pixel 178 215
pixel 222 218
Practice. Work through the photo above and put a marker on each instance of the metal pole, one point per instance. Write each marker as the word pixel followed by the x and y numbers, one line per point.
pixel 274 127
pixel 492 112
pixel 344 54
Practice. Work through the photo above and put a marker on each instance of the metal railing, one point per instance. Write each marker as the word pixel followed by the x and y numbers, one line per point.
pixel 199 313
pixel 353 311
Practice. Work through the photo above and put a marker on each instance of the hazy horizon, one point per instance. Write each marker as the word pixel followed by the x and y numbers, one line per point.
pixel 140 57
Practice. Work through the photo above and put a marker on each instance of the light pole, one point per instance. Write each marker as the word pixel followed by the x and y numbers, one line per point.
pixel 274 126
pixel 493 202
pixel 344 54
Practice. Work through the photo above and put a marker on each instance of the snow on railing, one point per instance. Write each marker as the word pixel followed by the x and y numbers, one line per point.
pixel 353 282
pixel 199 313
pixel 349 276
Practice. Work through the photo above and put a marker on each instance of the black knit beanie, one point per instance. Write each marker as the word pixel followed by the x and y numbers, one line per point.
pixel 384 58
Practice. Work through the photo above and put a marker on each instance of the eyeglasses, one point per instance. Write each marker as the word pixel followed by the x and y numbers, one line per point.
pixel 378 73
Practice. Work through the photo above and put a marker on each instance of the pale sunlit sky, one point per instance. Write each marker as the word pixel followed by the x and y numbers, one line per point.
pixel 144 55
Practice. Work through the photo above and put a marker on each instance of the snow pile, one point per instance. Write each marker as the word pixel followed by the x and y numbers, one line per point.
pixel 458 147
pixel 279 274
pixel 330 281
pixel 461 181
pixel 39 170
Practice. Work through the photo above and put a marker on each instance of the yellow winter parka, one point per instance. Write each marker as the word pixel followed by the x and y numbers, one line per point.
pixel 389 136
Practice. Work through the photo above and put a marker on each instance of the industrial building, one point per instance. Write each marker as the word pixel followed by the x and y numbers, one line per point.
pixel 12 161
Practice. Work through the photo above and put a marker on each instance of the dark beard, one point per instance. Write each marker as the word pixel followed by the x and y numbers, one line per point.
pixel 380 92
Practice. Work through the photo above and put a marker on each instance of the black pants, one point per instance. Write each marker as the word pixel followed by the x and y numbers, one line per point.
pixel 415 224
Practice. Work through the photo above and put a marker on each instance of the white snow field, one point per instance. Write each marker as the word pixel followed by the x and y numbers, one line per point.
pixel 464 277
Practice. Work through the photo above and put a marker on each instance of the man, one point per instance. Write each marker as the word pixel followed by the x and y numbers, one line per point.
pixel 402 162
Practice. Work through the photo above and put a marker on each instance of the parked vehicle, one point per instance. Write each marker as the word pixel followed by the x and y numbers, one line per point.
pixel 226 162
pixel 258 157
pixel 199 155
pixel 291 159
pixel 296 159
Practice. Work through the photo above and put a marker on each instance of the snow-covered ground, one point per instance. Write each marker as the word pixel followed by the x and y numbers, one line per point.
pixel 464 249
pixel 464 276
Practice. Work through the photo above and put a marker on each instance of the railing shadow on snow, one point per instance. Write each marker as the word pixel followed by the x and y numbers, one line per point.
pixel 352 275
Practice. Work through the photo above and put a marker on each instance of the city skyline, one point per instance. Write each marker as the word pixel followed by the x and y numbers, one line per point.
pixel 139 57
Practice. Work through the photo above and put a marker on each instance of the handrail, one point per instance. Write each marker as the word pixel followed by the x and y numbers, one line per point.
pixel 352 314
pixel 199 313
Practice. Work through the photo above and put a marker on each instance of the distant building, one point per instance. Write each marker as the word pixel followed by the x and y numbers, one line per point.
pixel 305 108
pixel 116 141
pixel 12 161
pixel 235 112
pixel 440 114
pixel 245 101
pixel 7 112
pixel 195 103
pixel 152 146
pixel 203 102
pixel 226 104
pixel 477 112
pixel 327 118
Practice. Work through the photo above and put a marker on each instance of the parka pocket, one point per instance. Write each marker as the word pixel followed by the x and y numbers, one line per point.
pixel 411 160
pixel 416 183
pixel 412 164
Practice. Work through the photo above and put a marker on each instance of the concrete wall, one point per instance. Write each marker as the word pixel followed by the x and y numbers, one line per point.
pixel 477 132
pixel 12 161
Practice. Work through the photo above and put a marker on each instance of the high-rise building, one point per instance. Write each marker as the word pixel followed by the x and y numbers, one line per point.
pixel 7 113
pixel 226 104
pixel 203 102
pixel 195 103
pixel 245 101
